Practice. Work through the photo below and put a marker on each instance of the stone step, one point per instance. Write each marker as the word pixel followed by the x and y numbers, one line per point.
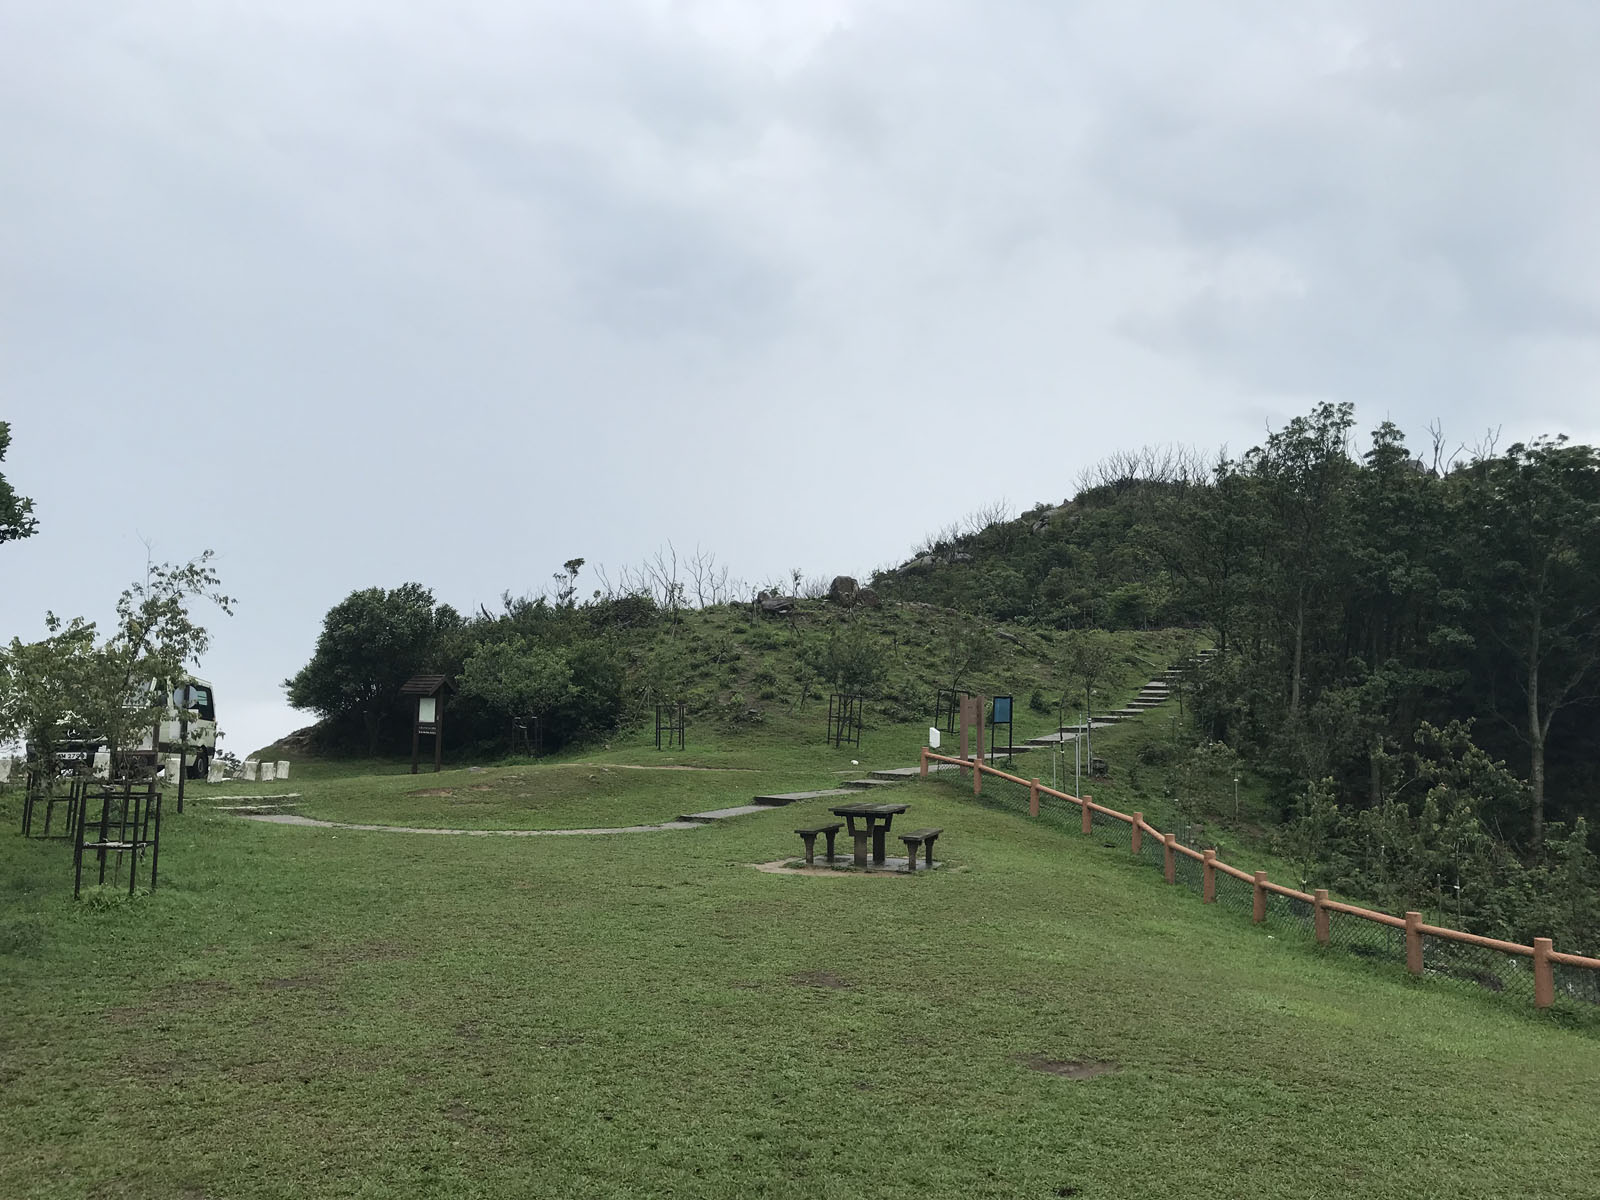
pixel 781 798
pixel 901 774
pixel 721 814
pixel 867 783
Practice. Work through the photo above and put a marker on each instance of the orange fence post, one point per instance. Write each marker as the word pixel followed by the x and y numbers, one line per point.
pixel 1033 798
pixel 1319 914
pixel 1138 831
pixel 1544 978
pixel 1414 942
pixel 1170 867
pixel 924 771
pixel 1208 890
pixel 1258 911
pixel 1088 814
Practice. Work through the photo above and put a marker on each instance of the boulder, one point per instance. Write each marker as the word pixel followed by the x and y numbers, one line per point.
pixel 843 590
pixel 775 604
pixel 867 598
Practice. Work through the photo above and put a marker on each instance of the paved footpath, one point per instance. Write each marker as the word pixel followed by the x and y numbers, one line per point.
pixel 294 819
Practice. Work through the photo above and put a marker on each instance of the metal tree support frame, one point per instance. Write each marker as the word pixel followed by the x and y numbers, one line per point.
pixel 946 710
pixel 42 790
pixel 671 721
pixel 528 733
pixel 844 719
pixel 1497 965
pixel 128 822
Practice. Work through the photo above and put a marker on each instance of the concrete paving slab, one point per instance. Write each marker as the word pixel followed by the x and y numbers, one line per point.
pixel 780 798
pixel 721 814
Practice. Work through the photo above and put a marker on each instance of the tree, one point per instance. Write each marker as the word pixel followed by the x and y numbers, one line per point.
pixel 16 512
pixel 40 683
pixel 968 647
pixel 116 689
pixel 371 642
pixel 517 678
pixel 156 638
pixel 853 660
pixel 1302 471
pixel 1534 513
pixel 1090 655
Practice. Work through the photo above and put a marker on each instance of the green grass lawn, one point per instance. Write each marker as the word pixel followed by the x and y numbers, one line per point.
pixel 307 1012
pixel 558 796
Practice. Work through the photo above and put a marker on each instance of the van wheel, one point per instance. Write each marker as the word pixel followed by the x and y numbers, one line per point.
pixel 202 765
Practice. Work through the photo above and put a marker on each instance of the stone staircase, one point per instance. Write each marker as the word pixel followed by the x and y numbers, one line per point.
pixel 1152 695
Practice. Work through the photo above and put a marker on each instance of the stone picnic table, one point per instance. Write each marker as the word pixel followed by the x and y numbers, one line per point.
pixel 876 819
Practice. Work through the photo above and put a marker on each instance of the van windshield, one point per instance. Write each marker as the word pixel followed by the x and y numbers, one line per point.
pixel 196 697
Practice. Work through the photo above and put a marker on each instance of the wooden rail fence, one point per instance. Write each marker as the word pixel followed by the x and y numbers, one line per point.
pixel 1416 934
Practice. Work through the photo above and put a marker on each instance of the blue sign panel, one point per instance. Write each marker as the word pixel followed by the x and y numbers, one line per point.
pixel 1002 710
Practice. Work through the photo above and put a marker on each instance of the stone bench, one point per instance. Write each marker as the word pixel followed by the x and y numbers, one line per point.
pixel 809 837
pixel 923 838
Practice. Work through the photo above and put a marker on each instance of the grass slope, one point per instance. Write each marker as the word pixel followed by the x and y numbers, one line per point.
pixel 301 1012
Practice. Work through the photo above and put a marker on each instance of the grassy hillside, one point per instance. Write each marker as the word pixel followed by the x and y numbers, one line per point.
pixel 318 1012
pixel 744 675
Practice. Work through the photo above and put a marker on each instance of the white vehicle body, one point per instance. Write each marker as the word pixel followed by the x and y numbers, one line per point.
pixel 188 727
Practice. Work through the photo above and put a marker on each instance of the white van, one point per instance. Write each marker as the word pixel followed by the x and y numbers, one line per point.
pixel 197 743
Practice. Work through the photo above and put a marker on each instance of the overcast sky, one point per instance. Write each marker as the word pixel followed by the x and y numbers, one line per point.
pixel 360 293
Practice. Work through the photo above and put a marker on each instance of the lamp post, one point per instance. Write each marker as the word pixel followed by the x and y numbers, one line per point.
pixel 1235 799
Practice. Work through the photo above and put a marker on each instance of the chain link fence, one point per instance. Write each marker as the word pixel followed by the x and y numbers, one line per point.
pixel 1287 912
pixel 1110 832
pixel 1235 895
pixel 1188 872
pixel 1577 983
pixel 1494 970
pixel 999 792
pixel 1153 852
pixel 1371 940
pixel 1059 812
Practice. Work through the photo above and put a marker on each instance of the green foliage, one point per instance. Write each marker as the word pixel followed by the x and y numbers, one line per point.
pixel 517 678
pixel 852 659
pixel 16 512
pixel 371 642
pixel 71 685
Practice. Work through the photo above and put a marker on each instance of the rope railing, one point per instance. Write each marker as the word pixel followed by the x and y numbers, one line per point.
pixel 1427 949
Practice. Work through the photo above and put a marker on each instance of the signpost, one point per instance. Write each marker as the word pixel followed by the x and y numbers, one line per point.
pixel 1001 716
pixel 430 691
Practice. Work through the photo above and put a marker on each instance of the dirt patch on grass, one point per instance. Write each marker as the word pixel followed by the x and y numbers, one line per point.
pixel 379 950
pixel 820 979
pixel 638 767
pixel 182 995
pixel 433 792
pixel 790 866
pixel 1086 1068
pixel 294 981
